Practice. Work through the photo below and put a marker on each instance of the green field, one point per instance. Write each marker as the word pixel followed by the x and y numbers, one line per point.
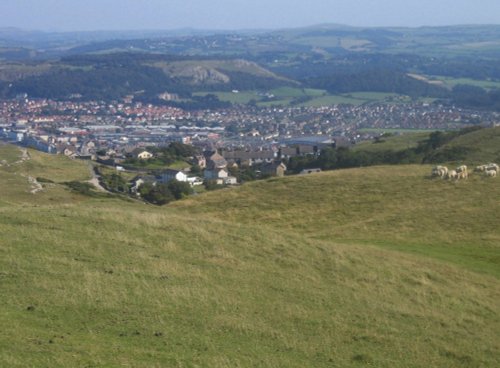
pixel 371 267
pixel 452 82
pixel 8 155
pixel 395 143
pixel 297 92
pixel 285 96
pixel 242 97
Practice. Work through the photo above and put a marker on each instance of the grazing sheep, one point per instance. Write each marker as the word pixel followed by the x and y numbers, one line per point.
pixel 492 166
pixel 480 168
pixel 452 174
pixel 491 173
pixel 440 171
pixel 462 170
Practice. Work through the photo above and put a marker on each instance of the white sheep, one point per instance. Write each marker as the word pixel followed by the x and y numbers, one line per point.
pixel 492 167
pixel 452 174
pixel 440 171
pixel 481 168
pixel 491 173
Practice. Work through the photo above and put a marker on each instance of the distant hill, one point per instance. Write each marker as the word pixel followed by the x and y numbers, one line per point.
pixel 455 64
pixel 112 76
pixel 376 266
pixel 464 40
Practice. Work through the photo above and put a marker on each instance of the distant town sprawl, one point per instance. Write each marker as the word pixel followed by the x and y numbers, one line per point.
pixel 55 126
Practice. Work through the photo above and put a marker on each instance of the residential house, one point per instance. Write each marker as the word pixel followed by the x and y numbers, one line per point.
pixel 200 160
pixel 220 176
pixel 215 161
pixel 216 174
pixel 170 174
pixel 248 158
pixel 144 155
pixel 275 168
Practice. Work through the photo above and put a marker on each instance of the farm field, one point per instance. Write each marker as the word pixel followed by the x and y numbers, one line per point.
pixel 242 97
pixel 379 266
pixel 297 92
pixel 452 82
pixel 285 96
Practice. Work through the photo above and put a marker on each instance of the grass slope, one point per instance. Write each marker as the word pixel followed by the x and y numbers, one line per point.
pixel 483 144
pixel 290 272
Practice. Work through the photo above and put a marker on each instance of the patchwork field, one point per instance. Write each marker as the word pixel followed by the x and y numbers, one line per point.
pixel 380 267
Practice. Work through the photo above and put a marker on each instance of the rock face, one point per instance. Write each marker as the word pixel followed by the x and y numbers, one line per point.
pixel 201 74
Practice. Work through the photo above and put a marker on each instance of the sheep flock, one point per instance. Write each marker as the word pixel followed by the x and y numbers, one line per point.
pixel 488 170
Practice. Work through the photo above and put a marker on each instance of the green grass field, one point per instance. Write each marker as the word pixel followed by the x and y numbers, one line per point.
pixel 452 82
pixel 242 97
pixel 396 143
pixel 285 96
pixel 297 92
pixel 372 267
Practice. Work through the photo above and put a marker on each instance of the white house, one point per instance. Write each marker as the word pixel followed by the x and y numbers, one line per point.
pixel 220 176
pixel 169 174
pixel 211 174
pixel 144 155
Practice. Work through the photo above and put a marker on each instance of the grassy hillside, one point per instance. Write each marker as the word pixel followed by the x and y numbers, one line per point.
pixel 485 144
pixel 482 145
pixel 368 267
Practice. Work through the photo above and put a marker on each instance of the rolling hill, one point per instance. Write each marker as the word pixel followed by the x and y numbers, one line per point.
pixel 113 76
pixel 378 266
pixel 456 64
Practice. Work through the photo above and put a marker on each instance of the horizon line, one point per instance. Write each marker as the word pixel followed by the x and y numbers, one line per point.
pixel 222 30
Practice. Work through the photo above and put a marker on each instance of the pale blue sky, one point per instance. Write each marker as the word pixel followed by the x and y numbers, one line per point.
pixel 239 14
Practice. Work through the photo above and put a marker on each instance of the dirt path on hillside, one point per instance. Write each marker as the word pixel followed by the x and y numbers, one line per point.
pixel 95 180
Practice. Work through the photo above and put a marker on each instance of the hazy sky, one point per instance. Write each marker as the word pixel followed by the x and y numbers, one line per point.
pixel 237 14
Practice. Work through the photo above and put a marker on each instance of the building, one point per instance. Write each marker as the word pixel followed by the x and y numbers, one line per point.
pixel 216 161
pixel 274 169
pixel 144 155
pixel 169 175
